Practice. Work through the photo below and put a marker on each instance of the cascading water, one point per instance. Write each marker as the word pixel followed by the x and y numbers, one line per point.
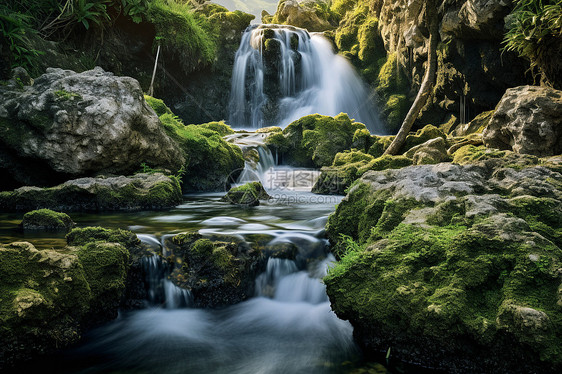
pixel 282 73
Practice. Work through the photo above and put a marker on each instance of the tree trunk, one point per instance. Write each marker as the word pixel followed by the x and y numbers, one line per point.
pixel 427 83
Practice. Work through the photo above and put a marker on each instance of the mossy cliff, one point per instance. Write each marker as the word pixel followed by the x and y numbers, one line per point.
pixel 210 159
pixel 387 42
pixel 49 297
pixel 454 267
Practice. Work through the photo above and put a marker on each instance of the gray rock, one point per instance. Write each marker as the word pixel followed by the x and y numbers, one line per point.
pixel 79 124
pixel 528 119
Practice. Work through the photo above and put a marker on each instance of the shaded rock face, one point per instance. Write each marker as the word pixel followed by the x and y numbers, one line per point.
pixel 457 267
pixel 302 13
pixel 71 124
pixel 138 192
pixel 472 72
pixel 527 120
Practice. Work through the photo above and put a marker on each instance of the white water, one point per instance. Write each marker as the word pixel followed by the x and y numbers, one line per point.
pixel 311 79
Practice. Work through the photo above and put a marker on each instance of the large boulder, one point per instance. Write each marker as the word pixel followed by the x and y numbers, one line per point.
pixel 455 267
pixel 528 119
pixel 71 124
pixel 137 192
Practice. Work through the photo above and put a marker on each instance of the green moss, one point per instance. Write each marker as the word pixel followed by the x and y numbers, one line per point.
pixel 219 255
pixel 157 105
pixel 362 140
pixel 210 159
pixel 43 297
pixel 421 136
pixel 449 283
pixel 314 140
pixel 105 267
pixel 81 236
pixel 395 110
pixel 222 128
pixel 544 215
pixel 65 95
pixel 46 219
pixel 469 154
pixel 379 145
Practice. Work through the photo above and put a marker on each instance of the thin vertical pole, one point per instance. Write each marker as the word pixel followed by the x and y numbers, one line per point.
pixel 151 89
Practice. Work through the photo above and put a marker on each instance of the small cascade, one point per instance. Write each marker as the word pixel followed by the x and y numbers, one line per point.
pixel 161 290
pixel 282 281
pixel 282 73
pixel 267 282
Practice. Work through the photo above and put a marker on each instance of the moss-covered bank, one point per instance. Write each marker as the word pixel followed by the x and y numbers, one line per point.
pixel 210 159
pixel 453 267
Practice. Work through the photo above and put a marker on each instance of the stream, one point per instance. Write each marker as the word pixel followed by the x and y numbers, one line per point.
pixel 287 327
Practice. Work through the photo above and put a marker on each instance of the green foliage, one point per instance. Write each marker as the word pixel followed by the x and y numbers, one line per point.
pixel 16 28
pixel 222 128
pixel 535 33
pixel 182 33
pixel 135 9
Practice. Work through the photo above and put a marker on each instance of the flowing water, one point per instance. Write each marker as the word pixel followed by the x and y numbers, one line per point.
pixel 287 327
pixel 305 77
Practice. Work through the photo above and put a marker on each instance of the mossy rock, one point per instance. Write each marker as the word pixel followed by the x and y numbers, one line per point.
pixel 349 166
pixel 248 194
pixel 44 295
pixel 314 140
pixel 421 136
pixel 218 273
pixel 105 266
pixel 441 261
pixel 46 219
pixel 157 105
pixel 143 191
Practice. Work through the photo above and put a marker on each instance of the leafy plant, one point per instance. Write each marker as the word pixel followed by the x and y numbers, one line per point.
pixel 135 9
pixel 16 29
pixel 535 33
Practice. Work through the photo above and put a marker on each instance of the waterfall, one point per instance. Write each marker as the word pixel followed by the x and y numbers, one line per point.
pixel 282 73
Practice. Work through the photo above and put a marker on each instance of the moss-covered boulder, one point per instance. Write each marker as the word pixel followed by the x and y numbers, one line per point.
pixel 48 298
pixel 112 264
pixel 455 267
pixel 218 273
pixel 211 161
pixel 46 219
pixel 43 297
pixel 138 192
pixel 248 194
pixel 314 140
